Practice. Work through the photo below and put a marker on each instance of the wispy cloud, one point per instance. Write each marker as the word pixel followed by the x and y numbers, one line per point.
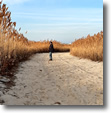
pixel 62 20
pixel 13 2
pixel 74 16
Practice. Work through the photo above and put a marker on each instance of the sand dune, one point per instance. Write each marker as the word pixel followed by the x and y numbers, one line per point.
pixel 67 80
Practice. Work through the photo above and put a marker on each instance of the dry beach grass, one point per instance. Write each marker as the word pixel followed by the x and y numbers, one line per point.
pixel 90 47
pixel 67 80
pixel 14 47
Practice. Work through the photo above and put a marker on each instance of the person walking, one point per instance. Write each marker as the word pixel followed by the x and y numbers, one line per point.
pixel 51 50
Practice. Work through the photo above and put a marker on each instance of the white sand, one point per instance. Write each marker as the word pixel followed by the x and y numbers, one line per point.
pixel 67 80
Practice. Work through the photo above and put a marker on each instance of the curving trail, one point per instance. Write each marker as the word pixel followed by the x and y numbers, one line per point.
pixel 67 80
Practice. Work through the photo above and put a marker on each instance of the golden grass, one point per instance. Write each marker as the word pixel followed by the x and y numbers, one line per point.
pixel 90 47
pixel 14 47
pixel 44 46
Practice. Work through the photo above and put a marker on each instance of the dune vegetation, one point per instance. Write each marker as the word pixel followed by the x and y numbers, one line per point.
pixel 14 47
pixel 90 47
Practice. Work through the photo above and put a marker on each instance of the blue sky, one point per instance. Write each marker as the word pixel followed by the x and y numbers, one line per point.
pixel 61 20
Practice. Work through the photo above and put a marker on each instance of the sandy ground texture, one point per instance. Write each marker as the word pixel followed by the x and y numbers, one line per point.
pixel 67 80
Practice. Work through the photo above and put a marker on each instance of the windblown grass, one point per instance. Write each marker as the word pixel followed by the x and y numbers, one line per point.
pixel 90 47
pixel 42 47
pixel 14 47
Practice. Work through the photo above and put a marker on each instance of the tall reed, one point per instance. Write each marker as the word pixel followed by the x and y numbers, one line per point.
pixel 14 47
pixel 90 47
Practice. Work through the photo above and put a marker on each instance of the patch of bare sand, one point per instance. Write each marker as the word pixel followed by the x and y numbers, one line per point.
pixel 66 80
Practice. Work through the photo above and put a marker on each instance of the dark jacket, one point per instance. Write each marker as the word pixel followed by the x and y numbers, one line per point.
pixel 51 48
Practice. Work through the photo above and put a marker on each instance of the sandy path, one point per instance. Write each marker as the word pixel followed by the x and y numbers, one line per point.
pixel 67 80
